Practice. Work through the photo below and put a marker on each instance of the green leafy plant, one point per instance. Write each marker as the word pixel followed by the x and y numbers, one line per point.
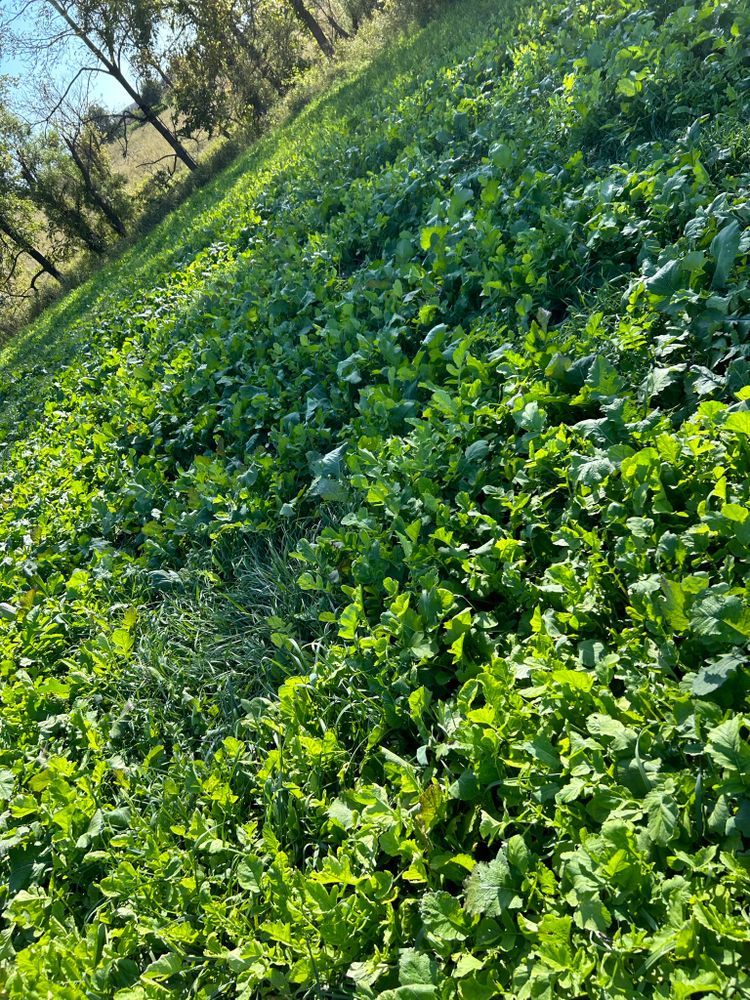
pixel 374 602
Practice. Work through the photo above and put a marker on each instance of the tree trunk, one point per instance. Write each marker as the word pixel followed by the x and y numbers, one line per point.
pixel 114 71
pixel 95 196
pixel 28 248
pixel 340 32
pixel 304 15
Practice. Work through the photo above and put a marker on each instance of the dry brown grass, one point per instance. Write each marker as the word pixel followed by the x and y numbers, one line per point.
pixel 146 154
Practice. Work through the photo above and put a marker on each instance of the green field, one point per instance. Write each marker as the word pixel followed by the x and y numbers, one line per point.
pixel 374 608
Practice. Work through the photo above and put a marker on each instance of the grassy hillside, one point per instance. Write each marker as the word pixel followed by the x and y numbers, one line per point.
pixel 374 591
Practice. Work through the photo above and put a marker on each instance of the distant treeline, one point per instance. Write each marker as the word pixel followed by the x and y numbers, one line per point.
pixel 189 68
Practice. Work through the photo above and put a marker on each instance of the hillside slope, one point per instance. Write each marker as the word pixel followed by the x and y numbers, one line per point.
pixel 375 611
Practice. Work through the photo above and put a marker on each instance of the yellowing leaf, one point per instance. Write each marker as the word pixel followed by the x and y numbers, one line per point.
pixel 739 422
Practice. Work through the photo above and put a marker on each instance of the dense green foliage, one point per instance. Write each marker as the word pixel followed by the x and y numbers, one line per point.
pixel 376 613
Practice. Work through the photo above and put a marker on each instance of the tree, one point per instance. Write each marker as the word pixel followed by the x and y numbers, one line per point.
pixel 357 10
pixel 54 185
pixel 313 26
pixel 117 34
pixel 64 167
pixel 18 240
pixel 78 130
pixel 20 229
pixel 102 190
pixel 338 30
pixel 57 195
pixel 231 59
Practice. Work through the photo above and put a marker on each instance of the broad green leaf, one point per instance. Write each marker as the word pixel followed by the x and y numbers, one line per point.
pixel 328 489
pixel 724 247
pixel 701 984
pixel 662 815
pixel 712 676
pixel 330 466
pixel 541 749
pixel 95 827
pixel 249 874
pixel 628 87
pixel 432 234
pixel 592 915
pixel 570 791
pixel 739 422
pixel 592 471
pixel 488 888
pixel 122 640
pixel 443 918
pixel 477 451
pixel 489 828
pixel 603 378
pixel 7 782
pixel 436 335
pixel 519 855
pixel 501 155
pixel 466 964
pixel 417 991
pixel 666 280
pixel 719 617
pixel 719 817
pixel 163 968
pixel 726 748
pixel 348 622
pixel 658 380
pixel 415 968
pixel 340 812
pixel 673 605
pixel 735 512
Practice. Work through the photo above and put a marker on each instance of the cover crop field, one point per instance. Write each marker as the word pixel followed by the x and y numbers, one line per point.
pixel 375 544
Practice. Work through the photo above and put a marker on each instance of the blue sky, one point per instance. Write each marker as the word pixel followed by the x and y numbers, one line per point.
pixel 104 89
